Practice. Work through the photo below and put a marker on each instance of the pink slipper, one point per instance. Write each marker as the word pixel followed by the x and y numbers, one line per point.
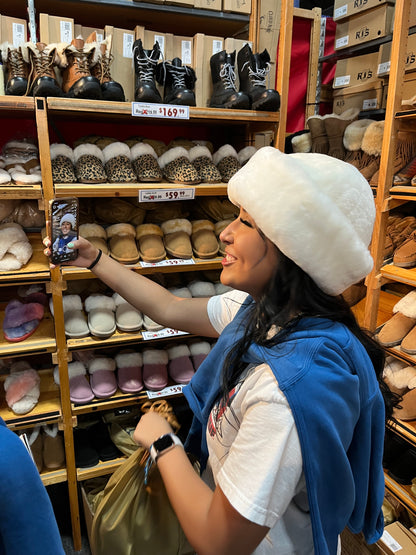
pixel 155 372
pixel 102 378
pixel 21 320
pixel 180 365
pixel 129 374
pixel 80 391
pixel 199 351
pixel 22 387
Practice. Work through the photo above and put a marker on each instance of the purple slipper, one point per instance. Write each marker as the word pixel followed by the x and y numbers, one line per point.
pixel 102 378
pixel 129 373
pixel 79 388
pixel 21 320
pixel 180 365
pixel 155 372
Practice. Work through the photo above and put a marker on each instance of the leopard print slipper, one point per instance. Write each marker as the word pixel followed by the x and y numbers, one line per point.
pixel 226 160
pixel 62 159
pixel 177 167
pixel 118 166
pixel 89 164
pixel 145 164
pixel 201 158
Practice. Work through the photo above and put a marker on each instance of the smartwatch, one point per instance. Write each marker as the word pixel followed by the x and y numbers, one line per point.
pixel 164 444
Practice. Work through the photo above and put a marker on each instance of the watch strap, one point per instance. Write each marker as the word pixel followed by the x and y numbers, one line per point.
pixel 163 444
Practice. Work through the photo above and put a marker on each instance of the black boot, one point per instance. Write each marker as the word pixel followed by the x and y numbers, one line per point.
pixel 252 71
pixel 225 95
pixel 179 82
pixel 144 67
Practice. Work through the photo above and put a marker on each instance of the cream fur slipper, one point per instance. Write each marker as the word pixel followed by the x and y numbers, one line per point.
pixel 101 315
pixel 128 318
pixel 177 240
pixel 15 249
pixel 22 387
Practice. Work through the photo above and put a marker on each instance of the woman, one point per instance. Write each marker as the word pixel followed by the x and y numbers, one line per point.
pixel 289 415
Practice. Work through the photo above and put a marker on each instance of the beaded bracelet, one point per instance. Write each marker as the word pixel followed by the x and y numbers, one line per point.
pixel 91 266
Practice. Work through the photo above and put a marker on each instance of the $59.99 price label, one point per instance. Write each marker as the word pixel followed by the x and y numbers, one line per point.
pixel 163 195
pixel 169 111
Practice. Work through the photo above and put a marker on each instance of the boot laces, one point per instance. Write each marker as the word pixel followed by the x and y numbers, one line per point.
pixel 146 66
pixel 43 63
pixel 258 76
pixel 178 75
pixel 17 64
pixel 82 62
pixel 227 74
pixel 103 68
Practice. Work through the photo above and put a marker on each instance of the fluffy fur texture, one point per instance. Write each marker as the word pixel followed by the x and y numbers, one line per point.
pixel 101 363
pixel 245 154
pixel 178 351
pixel 70 218
pixel 177 224
pixel 182 292
pixel 127 360
pixel 173 154
pixel 74 369
pixel 373 138
pixel 5 177
pixel 15 249
pixel 116 149
pixel 220 226
pixel 98 301
pixel 148 229
pixel 139 149
pixel 354 133
pixel 17 313
pixel 155 356
pixel 121 230
pixel 399 374
pixel 199 225
pixel 88 148
pixel 199 348
pixel 199 152
pixel 22 387
pixel 61 149
pixel 407 305
pixel 71 302
pixel 92 230
pixel 302 143
pixel 201 289
pixel 223 152
pixel 318 210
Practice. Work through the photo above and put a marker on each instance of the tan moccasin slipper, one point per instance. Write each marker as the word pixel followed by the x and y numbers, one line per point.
pixel 122 243
pixel 150 241
pixel 204 242
pixel 95 234
pixel 403 320
pixel 177 233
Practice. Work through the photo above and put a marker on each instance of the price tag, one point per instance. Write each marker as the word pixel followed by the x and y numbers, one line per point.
pixel 168 111
pixel 169 262
pixel 163 195
pixel 167 391
pixel 342 41
pixel 161 334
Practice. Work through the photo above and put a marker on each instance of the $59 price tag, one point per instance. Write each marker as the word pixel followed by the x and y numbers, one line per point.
pixel 163 195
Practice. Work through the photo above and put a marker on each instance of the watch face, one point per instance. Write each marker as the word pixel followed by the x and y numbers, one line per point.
pixel 163 443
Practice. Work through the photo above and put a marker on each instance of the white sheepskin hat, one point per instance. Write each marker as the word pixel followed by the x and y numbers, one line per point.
pixel 318 210
pixel 68 218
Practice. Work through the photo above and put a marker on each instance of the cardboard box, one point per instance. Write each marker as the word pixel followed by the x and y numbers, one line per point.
pixel 182 47
pixel 408 88
pixel 187 3
pixel 13 30
pixel 208 4
pixel 237 6
pixel 412 18
pixel 53 29
pixel 269 27
pixel 88 514
pixel 370 25
pixel 165 41
pixel 356 71
pixel 355 544
pixel 204 47
pixel 85 32
pixel 397 538
pixel 383 66
pixel 365 97
pixel 347 8
pixel 122 70
pixel 264 138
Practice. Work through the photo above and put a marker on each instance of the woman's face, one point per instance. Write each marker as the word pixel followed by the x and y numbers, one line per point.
pixel 66 228
pixel 250 259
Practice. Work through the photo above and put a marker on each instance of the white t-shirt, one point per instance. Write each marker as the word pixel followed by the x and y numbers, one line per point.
pixel 254 452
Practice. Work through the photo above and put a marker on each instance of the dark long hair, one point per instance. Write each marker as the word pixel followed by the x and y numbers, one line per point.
pixel 291 295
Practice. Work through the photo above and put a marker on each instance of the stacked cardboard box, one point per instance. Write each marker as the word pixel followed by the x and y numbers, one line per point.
pixel 13 30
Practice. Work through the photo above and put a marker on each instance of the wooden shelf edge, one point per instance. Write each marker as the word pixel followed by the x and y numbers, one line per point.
pixel 132 189
pixel 101 469
pixel 402 493
pixel 50 477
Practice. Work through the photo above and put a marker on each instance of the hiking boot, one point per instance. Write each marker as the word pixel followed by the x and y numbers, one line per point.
pixel 179 82
pixel 100 69
pixel 17 70
pixel 43 59
pixel 77 81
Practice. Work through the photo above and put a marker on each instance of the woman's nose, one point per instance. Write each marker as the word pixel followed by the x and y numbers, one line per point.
pixel 226 234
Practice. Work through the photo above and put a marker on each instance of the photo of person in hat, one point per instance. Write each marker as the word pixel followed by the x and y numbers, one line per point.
pixel 67 225
pixel 289 405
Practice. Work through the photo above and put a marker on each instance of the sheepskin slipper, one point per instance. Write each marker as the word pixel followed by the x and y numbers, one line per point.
pixel 218 229
pixel 182 292
pixel 398 375
pixel 204 242
pixel 128 318
pixel 155 371
pixel 15 249
pixel 151 325
pixel 80 391
pixel 150 241
pixel 180 367
pixel 408 344
pixel 129 371
pixel 402 321
pixel 177 233
pixel 200 288
pixel 53 447
pixel 101 315
pixel 5 177
pixel 201 158
pixel 89 164
pixel 407 410
pixel 102 377
pixel 117 160
pixel 21 320
pixel 122 244
pixel 75 320
pixel 96 235
pixel 62 161
pixel 245 154
pixel 22 387
pixel 177 167
pixel 145 164
pixel 199 352
pixel 226 160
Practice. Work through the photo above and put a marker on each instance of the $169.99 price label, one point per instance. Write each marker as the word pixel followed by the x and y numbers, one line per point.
pixel 169 111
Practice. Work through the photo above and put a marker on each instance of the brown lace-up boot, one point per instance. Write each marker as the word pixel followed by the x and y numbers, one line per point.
pixel 100 69
pixel 17 70
pixel 43 59
pixel 77 81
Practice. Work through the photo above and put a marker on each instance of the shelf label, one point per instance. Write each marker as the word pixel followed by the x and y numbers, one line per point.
pixel 168 262
pixel 341 11
pixel 370 104
pixel 342 81
pixel 342 41
pixel 163 195
pixel 162 334
pixel 167 391
pixel 167 111
pixel 383 68
pixel 391 543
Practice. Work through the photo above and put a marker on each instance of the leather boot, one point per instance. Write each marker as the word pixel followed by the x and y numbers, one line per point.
pixel 43 59
pixel 225 95
pixel 319 137
pixel 179 82
pixel 17 70
pixel 77 81
pixel 145 62
pixel 335 126
pixel 100 69
pixel 371 146
pixel 252 71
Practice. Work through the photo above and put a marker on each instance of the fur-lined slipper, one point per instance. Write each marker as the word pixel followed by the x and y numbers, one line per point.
pixel 220 288
pixel 155 371
pixel 150 241
pixel 62 159
pixel 89 164
pixel 403 320
pixel 96 235
pixel 180 367
pixel 201 288
pixel 245 154
pixel 122 244
pixel 102 377
pixel 159 146
pixel 182 292
pixel 75 320
pixel 35 439
pixel 353 138
pixel 15 249
pixel 201 158
pixel 22 387
pixel 24 171
pixel 5 177
pixel 101 315
pixel 398 375
pixel 219 228
pixel 335 125
pixel 21 320
pixel 117 159
pixel 145 164
pixel 129 371
pixel 371 146
pixel 79 387
pixel 177 233
pixel 177 167
pixel 53 447
pixel 199 352
pixel 204 242
pixel 302 142
pixel 151 325
pixel 128 318
pixel 226 160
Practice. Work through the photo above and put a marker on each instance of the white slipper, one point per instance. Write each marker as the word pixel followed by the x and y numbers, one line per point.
pixel 15 249
pixel 101 315
pixel 75 321
pixel 128 318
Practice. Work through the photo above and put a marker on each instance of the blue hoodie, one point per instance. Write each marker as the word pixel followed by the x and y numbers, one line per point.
pixel 331 387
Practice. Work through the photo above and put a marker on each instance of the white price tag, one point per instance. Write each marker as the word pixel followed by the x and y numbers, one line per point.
pixel 167 111
pixel 186 50
pixel 163 195
pixel 342 41
pixel 383 68
pixel 18 34
pixel 391 543
pixel 167 391
pixel 342 81
pixel 161 334
pixel 370 104
pixel 341 11
pixel 66 31
pixel 169 262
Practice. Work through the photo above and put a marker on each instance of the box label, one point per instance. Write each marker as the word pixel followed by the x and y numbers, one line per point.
pixel 342 41
pixel 391 543
pixel 342 81
pixel 383 68
pixel 66 31
pixel 370 104
pixel 216 46
pixel 342 11
pixel 128 40
pixel 18 33
pixel 186 52
pixel 161 40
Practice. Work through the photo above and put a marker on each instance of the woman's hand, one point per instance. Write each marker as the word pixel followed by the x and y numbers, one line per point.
pixel 150 427
pixel 87 253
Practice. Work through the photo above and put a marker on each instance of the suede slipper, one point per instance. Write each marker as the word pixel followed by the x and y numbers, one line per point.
pixel 35 439
pixel 199 351
pixel 15 249
pixel 408 344
pixel 201 158
pixel 218 229
pixel 177 233
pixel 22 387
pixel 53 447
pixel 226 160
pixel 89 164
pixel 80 391
pixel 75 321
pixel 95 234
pixel 204 242
pixel 155 372
pixel 62 161
pixel 21 320
pixel 101 317
pixel 150 240
pixel 180 367
pixel 402 321
pixel 122 243
pixel 129 371
pixel 128 318
pixel 200 288
pixel 117 159
pixel 102 377
pixel 151 325
pixel 145 164
pixel 85 454
pixel 407 410
pixel 177 167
